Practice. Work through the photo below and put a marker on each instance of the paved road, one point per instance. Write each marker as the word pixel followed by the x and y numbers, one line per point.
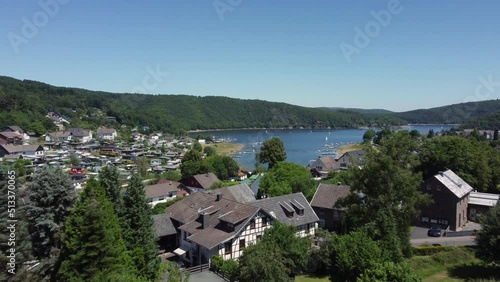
pixel 445 241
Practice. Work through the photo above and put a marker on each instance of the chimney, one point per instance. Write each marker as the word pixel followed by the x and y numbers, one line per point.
pixel 218 196
pixel 204 219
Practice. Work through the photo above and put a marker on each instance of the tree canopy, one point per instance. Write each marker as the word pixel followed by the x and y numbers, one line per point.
pixel 92 244
pixel 488 238
pixel 271 152
pixel 286 178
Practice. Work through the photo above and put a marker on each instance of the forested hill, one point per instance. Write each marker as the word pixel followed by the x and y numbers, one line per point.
pixel 357 110
pixel 452 114
pixel 25 102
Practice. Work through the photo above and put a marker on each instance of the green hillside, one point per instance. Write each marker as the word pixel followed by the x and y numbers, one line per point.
pixel 452 114
pixel 27 102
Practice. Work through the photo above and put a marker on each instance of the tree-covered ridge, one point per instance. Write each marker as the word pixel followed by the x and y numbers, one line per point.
pixel 452 114
pixel 28 101
pixel 489 121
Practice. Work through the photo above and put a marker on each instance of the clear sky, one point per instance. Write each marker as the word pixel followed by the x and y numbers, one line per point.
pixel 430 53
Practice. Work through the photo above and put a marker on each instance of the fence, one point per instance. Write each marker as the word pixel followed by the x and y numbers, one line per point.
pixel 197 268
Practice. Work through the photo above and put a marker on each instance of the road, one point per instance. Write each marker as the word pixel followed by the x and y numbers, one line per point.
pixel 445 241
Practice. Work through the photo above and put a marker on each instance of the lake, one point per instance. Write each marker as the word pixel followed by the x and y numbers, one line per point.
pixel 301 145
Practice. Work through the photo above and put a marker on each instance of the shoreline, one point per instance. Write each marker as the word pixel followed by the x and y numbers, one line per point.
pixel 307 128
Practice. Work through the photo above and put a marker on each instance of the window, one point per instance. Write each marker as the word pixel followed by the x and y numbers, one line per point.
pixel 428 187
pixel 425 219
pixel 308 228
pixel 252 224
pixel 438 188
pixel 227 247
pixel 161 198
pixel 242 244
pixel 264 221
pixel 259 237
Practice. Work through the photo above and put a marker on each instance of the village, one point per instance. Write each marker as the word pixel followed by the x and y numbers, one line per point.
pixel 214 221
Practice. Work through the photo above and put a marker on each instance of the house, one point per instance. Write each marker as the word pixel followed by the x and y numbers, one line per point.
pixel 137 136
pixel 323 204
pixel 162 192
pixel 450 195
pixel 324 165
pixel 351 158
pixel 27 151
pixel 18 130
pixel 480 203
pixel 291 209
pixel 201 181
pixel 242 175
pixel 10 137
pixel 165 232
pixel 240 193
pixel 59 136
pixel 106 133
pixel 210 224
pixel 82 134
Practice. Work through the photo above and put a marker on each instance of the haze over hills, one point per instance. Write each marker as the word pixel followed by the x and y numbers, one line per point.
pixel 26 103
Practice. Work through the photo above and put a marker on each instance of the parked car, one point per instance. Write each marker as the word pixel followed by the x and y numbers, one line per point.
pixel 434 231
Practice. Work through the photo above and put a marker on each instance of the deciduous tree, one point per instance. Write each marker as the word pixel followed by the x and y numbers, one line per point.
pixel 271 152
pixel 285 178
pixel 488 238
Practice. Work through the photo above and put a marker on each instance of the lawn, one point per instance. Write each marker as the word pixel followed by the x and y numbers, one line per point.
pixel 311 278
pixel 348 148
pixel 453 264
pixel 226 149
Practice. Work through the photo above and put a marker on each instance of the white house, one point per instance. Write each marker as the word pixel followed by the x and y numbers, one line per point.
pixel 213 224
pixel 164 191
pixel 106 133
pixel 27 151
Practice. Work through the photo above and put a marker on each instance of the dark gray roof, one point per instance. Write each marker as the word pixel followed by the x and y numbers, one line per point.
pixel 240 193
pixel 256 185
pixel 161 189
pixel 12 149
pixel 206 180
pixel 277 207
pixel 163 225
pixel 188 210
pixel 328 194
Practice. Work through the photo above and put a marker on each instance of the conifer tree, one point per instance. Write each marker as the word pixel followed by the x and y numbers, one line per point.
pixel 138 232
pixel 109 180
pixel 52 197
pixel 93 247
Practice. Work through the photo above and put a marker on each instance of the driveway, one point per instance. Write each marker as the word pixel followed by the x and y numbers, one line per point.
pixel 205 276
pixel 419 237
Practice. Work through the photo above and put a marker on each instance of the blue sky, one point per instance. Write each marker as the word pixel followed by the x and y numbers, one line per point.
pixel 430 53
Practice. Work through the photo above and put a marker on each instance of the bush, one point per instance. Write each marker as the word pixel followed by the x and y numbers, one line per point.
pixel 231 268
pixel 429 250
pixel 217 262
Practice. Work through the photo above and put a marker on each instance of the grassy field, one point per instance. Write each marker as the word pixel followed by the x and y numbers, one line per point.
pixel 309 278
pixel 226 148
pixel 348 148
pixel 455 264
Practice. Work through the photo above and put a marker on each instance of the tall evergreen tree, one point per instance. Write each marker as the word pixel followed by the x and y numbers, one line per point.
pixel 22 242
pixel 93 245
pixel 52 197
pixel 138 232
pixel 109 180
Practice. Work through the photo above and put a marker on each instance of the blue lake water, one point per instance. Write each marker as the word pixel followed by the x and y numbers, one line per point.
pixel 301 146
